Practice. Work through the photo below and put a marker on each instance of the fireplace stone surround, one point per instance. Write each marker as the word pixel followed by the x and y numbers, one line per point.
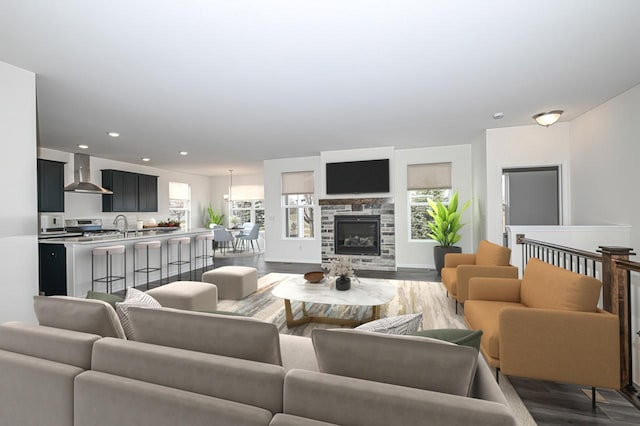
pixel 360 207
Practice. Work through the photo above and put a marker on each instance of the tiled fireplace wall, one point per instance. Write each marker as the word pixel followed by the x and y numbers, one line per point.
pixel 359 207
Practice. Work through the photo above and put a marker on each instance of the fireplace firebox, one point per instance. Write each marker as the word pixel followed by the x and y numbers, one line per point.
pixel 357 235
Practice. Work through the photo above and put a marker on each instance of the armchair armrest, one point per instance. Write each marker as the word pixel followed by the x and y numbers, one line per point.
pixel 467 272
pixel 557 345
pixel 495 289
pixel 451 260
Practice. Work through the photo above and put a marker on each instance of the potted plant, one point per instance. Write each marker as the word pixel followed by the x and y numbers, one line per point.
pixel 342 268
pixel 444 227
pixel 215 218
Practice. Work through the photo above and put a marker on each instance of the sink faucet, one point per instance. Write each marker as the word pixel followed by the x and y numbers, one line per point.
pixel 126 223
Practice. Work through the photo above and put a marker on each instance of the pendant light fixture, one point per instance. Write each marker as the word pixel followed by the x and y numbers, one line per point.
pixel 546 119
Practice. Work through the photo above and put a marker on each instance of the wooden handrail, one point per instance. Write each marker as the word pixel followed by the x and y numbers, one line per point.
pixel 628 265
pixel 569 250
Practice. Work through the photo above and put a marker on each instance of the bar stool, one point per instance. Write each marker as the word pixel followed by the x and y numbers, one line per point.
pixel 205 242
pixel 108 252
pixel 179 241
pixel 146 246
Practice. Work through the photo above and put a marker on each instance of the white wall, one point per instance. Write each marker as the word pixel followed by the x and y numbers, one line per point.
pixel 419 254
pixel 479 183
pixel 90 205
pixel 279 248
pixel 18 218
pixel 605 148
pixel 524 146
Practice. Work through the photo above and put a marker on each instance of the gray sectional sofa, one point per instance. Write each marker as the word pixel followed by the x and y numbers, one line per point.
pixel 206 369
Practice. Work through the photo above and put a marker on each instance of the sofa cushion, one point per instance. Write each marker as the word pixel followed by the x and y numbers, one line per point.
pixel 134 298
pixel 84 315
pixel 449 279
pixel 483 315
pixel 53 344
pixel 416 362
pixel 289 420
pixel 492 254
pixel 401 324
pixel 217 376
pixel 105 297
pixel 297 352
pixel 238 337
pixel 550 287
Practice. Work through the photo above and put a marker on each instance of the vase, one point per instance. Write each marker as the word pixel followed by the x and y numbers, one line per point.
pixel 440 251
pixel 343 283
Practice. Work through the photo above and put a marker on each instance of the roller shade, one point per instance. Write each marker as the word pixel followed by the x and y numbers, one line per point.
pixel 429 176
pixel 179 191
pixel 297 183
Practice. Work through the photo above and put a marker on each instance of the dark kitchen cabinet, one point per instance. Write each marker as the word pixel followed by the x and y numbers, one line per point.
pixel 147 193
pixel 50 186
pixel 53 269
pixel 129 195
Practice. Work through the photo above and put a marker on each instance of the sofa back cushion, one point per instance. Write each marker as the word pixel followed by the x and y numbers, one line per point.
pixel 226 335
pixel 247 382
pixel 84 315
pixel 416 362
pixel 550 287
pixel 492 254
pixel 53 344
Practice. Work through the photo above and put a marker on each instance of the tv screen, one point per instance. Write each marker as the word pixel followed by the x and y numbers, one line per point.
pixel 357 177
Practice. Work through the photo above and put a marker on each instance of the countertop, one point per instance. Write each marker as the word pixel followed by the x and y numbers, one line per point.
pixel 132 235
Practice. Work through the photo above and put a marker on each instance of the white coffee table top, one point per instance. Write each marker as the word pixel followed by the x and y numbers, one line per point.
pixel 367 292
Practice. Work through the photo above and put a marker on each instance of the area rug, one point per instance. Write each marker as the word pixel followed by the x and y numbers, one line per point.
pixel 430 298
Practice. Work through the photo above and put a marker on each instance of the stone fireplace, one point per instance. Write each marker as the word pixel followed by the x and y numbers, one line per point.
pixel 362 228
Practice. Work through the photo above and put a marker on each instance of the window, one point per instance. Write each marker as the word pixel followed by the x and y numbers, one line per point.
pixel 425 181
pixel 249 211
pixel 298 204
pixel 298 215
pixel 180 203
pixel 418 207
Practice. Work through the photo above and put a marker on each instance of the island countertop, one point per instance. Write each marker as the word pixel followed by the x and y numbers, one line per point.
pixel 130 235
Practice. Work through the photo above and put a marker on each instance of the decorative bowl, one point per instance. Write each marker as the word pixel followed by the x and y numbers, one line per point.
pixel 314 276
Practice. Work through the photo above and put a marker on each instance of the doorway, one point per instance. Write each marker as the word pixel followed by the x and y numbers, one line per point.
pixel 530 196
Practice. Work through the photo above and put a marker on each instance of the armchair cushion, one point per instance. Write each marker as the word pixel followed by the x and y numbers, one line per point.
pixel 483 315
pixel 549 287
pixel 492 254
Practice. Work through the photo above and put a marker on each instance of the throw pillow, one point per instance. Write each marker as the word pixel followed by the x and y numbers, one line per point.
pixel 111 299
pixel 134 298
pixel 402 324
pixel 459 336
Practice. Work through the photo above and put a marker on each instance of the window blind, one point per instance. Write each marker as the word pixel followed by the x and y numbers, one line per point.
pixel 297 183
pixel 429 176
pixel 179 191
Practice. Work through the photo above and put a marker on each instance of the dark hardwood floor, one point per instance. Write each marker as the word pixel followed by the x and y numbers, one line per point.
pixel 549 403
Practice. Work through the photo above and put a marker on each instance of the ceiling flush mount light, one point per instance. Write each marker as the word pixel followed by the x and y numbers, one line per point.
pixel 546 119
pixel 146 159
pixel 498 116
pixel 82 146
pixel 113 134
pixel 183 153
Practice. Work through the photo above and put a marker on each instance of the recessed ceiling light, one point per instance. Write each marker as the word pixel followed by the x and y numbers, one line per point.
pixel 82 146
pixel 113 134
pixel 498 115
pixel 146 159
pixel 183 153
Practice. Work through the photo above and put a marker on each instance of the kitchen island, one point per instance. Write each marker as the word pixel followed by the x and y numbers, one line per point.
pixel 68 260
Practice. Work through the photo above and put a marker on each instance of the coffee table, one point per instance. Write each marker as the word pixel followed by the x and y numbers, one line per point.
pixel 366 292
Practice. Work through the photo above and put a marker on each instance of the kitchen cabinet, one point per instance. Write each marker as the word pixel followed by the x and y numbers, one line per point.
pixel 132 192
pixel 50 186
pixel 147 193
pixel 53 269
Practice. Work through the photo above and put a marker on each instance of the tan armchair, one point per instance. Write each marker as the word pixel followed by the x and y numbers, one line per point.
pixel 491 260
pixel 546 326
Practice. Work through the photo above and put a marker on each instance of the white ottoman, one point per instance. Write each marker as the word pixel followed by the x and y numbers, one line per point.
pixel 233 282
pixel 187 295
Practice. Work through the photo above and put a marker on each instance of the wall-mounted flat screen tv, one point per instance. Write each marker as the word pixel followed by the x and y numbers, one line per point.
pixel 358 177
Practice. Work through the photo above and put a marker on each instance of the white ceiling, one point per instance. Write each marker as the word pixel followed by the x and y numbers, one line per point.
pixel 237 82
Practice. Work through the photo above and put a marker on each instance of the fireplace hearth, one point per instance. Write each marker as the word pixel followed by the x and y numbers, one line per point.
pixel 357 235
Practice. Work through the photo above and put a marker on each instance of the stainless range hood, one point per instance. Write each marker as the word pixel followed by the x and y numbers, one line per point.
pixel 81 176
